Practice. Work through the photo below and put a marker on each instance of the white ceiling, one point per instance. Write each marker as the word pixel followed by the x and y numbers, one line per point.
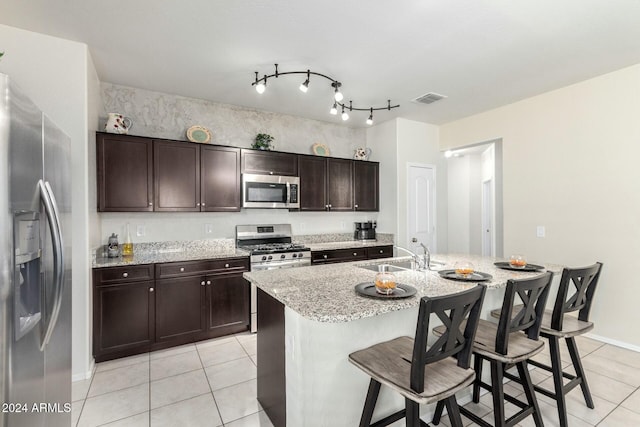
pixel 480 53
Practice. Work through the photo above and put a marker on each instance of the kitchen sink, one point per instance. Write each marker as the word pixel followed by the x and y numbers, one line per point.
pixel 401 266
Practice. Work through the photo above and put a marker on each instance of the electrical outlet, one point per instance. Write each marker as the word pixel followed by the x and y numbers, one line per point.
pixel 540 231
pixel 140 231
pixel 208 228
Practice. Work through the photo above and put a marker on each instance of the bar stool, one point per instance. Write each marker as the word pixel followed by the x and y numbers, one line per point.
pixel 513 341
pixel 555 326
pixel 424 374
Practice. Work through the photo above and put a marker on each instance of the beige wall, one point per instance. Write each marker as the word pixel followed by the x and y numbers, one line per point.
pixel 382 139
pixel 570 163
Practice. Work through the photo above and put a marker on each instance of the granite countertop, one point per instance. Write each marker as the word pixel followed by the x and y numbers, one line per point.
pixel 325 293
pixel 347 244
pixel 154 253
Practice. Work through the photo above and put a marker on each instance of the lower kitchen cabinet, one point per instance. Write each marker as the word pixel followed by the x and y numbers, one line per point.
pixel 347 255
pixel 123 319
pixel 227 305
pixel 187 302
pixel 179 313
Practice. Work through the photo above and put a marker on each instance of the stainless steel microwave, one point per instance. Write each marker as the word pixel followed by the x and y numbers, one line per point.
pixel 270 191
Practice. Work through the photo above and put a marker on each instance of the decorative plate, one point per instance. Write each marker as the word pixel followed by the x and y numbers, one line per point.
pixel 198 134
pixel 368 289
pixel 528 267
pixel 476 276
pixel 320 150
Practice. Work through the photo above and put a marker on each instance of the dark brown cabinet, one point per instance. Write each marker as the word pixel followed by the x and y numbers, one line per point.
pixel 313 183
pixel 269 162
pixel 188 301
pixel 123 311
pixel 366 186
pixel 179 313
pixel 125 173
pixel 219 179
pixel 340 184
pixel 176 176
pixel 353 254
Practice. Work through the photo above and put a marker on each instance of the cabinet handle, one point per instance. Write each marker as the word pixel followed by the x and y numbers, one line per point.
pixel 226 266
pixel 181 269
pixel 203 205
pixel 151 289
pixel 208 282
pixel 355 206
pixel 202 283
pixel 330 206
pixel 270 173
pixel 125 274
pixel 197 204
pixel 150 203
pixel 326 206
pixel 325 256
pixel 381 251
pixel 355 254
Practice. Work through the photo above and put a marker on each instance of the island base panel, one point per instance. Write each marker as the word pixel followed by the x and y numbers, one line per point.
pixel 271 359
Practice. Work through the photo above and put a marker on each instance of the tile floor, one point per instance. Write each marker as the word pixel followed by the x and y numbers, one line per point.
pixel 210 383
pixel 213 383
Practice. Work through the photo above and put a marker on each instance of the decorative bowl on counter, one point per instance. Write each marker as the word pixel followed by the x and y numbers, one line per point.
pixel 517 261
pixel 385 283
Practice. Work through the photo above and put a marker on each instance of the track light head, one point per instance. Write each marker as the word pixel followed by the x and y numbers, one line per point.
pixel 345 115
pixel 370 119
pixel 260 87
pixel 304 86
pixel 334 110
pixel 337 95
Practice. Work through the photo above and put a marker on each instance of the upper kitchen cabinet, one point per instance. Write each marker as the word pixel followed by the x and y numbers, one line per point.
pixel 365 186
pixel 125 173
pixel 269 163
pixel 219 179
pixel 339 184
pixel 176 176
pixel 313 183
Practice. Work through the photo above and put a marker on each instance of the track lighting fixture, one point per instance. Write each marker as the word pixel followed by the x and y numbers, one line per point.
pixel 370 119
pixel 304 86
pixel 261 84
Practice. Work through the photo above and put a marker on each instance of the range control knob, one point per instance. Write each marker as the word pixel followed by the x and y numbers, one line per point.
pixel 295 255
pixel 300 255
pixel 269 257
pixel 264 257
pixel 283 256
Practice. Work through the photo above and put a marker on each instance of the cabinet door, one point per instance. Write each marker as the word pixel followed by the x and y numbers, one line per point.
pixel 228 304
pixel 269 163
pixel 313 183
pixel 380 252
pixel 220 179
pixel 123 319
pixel 177 176
pixel 125 173
pixel 179 307
pixel 365 186
pixel 339 184
pixel 338 255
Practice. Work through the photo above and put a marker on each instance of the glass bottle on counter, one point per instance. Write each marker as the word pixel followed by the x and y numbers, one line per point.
pixel 127 247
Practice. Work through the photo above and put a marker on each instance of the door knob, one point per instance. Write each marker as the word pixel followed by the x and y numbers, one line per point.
pixel 414 240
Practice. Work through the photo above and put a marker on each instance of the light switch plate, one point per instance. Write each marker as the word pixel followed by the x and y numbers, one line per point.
pixel 140 231
pixel 540 231
pixel 208 228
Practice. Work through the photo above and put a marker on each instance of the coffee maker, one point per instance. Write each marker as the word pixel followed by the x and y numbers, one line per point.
pixel 365 230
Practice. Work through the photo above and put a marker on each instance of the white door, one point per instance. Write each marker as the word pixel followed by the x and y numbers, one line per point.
pixel 487 218
pixel 421 207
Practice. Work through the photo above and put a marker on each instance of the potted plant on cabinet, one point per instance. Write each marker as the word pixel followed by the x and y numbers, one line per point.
pixel 263 142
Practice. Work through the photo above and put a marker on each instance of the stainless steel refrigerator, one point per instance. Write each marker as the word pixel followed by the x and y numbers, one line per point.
pixel 35 265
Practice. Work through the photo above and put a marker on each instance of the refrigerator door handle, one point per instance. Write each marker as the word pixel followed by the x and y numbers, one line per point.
pixel 51 210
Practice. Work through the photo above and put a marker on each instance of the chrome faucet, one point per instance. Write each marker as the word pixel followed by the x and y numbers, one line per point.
pixel 426 257
pixel 420 261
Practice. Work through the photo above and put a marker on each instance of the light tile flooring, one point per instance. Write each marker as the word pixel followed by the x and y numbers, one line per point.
pixel 210 383
pixel 213 383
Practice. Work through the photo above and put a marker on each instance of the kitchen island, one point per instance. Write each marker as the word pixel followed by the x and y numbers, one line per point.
pixel 310 319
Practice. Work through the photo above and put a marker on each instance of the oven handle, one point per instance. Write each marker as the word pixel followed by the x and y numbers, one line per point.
pixel 288 193
pixel 280 264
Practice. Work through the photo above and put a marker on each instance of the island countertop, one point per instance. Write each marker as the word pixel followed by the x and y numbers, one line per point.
pixel 325 293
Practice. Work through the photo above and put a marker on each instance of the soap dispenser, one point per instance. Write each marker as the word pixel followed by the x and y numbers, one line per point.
pixel 113 250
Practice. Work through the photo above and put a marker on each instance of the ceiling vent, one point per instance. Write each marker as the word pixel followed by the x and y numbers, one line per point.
pixel 429 98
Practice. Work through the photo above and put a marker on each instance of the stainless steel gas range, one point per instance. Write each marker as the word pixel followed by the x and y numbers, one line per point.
pixel 270 247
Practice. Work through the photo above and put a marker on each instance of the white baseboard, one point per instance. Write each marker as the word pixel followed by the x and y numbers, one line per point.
pixel 86 375
pixel 613 342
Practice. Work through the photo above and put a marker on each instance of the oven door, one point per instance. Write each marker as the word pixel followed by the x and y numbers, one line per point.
pixel 268 191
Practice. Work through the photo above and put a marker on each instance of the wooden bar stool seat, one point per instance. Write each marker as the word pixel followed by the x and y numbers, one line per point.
pixel 420 373
pixel 513 341
pixel 560 324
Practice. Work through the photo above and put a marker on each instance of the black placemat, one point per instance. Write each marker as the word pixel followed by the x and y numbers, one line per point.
pixel 476 276
pixel 368 289
pixel 528 267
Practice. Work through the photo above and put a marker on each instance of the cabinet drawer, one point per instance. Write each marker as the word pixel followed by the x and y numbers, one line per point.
pixel 132 273
pixel 338 255
pixel 190 268
pixel 380 252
